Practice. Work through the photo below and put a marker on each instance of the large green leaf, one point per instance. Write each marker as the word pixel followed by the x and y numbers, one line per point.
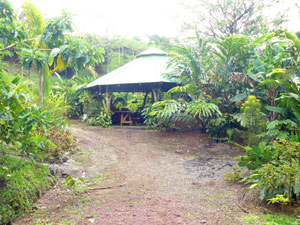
pixel 241 97
pixel 276 109
pixel 54 52
pixel 294 39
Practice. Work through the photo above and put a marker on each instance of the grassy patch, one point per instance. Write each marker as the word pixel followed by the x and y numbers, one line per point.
pixel 21 183
pixel 272 219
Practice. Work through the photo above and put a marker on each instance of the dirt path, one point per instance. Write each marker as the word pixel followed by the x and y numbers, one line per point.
pixel 144 177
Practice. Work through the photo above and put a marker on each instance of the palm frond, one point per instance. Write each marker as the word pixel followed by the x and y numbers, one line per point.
pixel 33 18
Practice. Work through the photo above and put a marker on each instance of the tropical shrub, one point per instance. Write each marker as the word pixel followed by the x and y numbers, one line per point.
pixel 252 118
pixel 56 109
pixel 62 140
pixel 150 121
pixel 281 175
pixel 279 129
pixel 102 120
pixel 19 118
pixel 218 127
pixel 256 156
pixel 170 111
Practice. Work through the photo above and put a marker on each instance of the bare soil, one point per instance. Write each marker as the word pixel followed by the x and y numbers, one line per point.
pixel 134 176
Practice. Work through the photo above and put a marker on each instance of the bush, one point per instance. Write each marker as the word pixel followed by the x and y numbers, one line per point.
pixel 217 127
pixel 280 129
pixel 63 142
pixel 21 183
pixel 252 118
pixel 150 121
pixel 256 156
pixel 103 120
pixel 281 175
pixel 56 109
pixel 25 128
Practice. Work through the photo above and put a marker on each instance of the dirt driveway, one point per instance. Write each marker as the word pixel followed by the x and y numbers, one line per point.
pixel 144 177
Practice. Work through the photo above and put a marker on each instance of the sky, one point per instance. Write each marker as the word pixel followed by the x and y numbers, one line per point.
pixel 123 17
pixel 129 18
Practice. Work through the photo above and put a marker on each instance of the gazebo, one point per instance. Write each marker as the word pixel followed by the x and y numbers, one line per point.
pixel 143 74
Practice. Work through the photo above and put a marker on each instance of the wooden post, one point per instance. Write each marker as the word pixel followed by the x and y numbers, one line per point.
pixel 145 99
pixel 154 97
pixel 108 98
pixel 107 101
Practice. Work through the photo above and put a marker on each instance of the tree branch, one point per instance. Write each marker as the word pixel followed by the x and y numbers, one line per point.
pixel 14 44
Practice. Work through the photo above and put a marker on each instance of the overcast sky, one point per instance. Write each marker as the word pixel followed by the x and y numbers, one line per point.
pixel 127 18
pixel 124 17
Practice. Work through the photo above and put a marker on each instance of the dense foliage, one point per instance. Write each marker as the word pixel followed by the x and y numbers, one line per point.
pixel 280 176
pixel 31 131
pixel 238 81
pixel 244 89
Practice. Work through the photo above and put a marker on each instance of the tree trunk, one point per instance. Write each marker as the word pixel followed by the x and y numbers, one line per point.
pixel 42 88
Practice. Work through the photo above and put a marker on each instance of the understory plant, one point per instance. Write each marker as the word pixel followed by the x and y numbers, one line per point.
pixel 73 183
pixel 168 112
pixel 63 142
pixel 279 129
pixel 191 108
pixel 219 126
pixel 256 156
pixel 252 118
pixel 102 120
pixel 150 121
pixel 281 175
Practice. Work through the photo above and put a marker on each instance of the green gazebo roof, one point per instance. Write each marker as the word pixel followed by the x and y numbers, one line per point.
pixel 140 75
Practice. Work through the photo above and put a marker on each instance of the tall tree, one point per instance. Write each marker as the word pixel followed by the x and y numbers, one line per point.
pixel 225 17
pixel 49 48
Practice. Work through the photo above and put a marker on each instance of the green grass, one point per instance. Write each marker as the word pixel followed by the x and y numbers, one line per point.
pixel 21 183
pixel 272 219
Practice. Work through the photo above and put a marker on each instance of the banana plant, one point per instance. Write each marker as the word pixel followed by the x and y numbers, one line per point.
pixel 228 75
pixel 268 64
pixel 289 79
pixel 190 64
pixel 290 98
